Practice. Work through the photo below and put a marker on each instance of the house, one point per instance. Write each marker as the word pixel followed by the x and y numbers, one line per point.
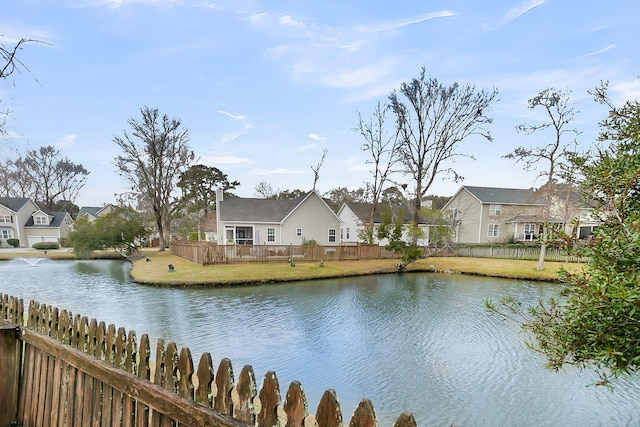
pixel 93 212
pixel 22 219
pixel 495 215
pixel 355 216
pixel 276 221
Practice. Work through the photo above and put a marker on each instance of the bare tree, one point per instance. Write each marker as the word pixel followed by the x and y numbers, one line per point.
pixel 384 156
pixel 44 176
pixel 316 169
pixel 264 190
pixel 555 153
pixel 153 157
pixel 432 120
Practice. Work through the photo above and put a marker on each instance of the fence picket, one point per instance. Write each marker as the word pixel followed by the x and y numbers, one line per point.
pixel 269 400
pixel 405 420
pixel 245 391
pixel 224 384
pixel 295 405
pixel 205 378
pixel 328 413
pixel 185 369
pixel 364 415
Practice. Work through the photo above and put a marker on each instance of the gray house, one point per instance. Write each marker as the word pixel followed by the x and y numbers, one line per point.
pixel 495 215
pixel 22 219
pixel 253 221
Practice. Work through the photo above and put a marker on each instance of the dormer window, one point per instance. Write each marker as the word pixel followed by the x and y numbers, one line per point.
pixel 41 220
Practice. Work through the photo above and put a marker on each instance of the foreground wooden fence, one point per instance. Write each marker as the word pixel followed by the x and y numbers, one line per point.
pixel 57 369
pixel 207 253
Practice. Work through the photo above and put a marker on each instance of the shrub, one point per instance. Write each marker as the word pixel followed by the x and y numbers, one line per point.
pixel 45 245
pixel 13 242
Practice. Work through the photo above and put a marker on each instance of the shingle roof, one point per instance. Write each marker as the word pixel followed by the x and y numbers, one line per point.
pixel 257 210
pixel 58 217
pixel 89 210
pixel 505 196
pixel 363 211
pixel 13 203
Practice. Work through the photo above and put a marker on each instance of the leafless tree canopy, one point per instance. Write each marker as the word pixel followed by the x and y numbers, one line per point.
pixel 381 144
pixel 432 119
pixel 44 176
pixel 153 156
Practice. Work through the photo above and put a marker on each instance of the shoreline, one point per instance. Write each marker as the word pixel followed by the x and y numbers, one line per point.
pixel 152 269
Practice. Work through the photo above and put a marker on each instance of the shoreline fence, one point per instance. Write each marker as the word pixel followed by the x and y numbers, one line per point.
pixel 207 253
pixel 57 369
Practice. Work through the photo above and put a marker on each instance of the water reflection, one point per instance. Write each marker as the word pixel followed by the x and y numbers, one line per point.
pixel 415 342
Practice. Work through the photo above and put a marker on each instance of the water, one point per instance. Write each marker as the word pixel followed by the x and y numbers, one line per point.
pixel 421 343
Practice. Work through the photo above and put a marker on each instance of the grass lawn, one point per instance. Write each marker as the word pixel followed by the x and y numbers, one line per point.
pixel 186 273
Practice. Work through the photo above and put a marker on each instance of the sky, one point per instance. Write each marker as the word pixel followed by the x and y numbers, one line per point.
pixel 264 87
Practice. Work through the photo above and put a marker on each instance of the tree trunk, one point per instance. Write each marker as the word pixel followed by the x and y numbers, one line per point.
pixel 543 249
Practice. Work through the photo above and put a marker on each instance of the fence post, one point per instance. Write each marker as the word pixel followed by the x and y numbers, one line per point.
pixel 10 361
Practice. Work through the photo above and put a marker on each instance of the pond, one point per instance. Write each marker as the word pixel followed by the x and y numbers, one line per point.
pixel 415 342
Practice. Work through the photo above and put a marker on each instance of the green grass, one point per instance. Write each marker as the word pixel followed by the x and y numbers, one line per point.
pixel 187 273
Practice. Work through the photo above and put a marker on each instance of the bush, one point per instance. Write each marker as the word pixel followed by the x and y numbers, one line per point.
pixel 13 242
pixel 45 245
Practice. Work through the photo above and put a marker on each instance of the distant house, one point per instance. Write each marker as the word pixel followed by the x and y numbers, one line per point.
pixel 276 221
pixel 22 219
pixel 93 212
pixel 495 215
pixel 355 216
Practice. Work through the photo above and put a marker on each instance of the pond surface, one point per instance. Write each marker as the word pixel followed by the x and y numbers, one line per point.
pixel 416 342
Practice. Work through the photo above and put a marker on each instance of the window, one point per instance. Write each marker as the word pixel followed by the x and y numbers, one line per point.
pixel 5 218
pixel 332 235
pixel 299 232
pixel 40 220
pixel 494 230
pixel 347 232
pixel 495 209
pixel 6 233
pixel 454 213
pixel 271 234
pixel 229 234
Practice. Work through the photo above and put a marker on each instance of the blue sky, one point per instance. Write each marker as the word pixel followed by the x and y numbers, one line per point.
pixel 265 86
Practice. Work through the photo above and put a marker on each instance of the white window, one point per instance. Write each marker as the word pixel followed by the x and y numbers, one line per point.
pixel 229 234
pixel 495 209
pixel 41 220
pixel 6 233
pixel 5 218
pixel 271 234
pixel 332 235
pixel 494 230
pixel 299 232
pixel 347 232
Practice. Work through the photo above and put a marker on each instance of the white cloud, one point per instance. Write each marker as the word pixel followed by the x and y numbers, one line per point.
pixel 317 137
pixel 231 115
pixel 66 141
pixel 395 25
pixel 288 20
pixel 520 10
pixel 598 52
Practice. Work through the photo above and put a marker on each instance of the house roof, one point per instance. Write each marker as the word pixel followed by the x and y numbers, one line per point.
pixel 504 196
pixel 13 203
pixel 258 210
pixel 89 210
pixel 363 211
pixel 58 218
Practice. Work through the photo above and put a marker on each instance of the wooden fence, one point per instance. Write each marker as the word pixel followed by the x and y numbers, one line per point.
pixel 57 369
pixel 207 253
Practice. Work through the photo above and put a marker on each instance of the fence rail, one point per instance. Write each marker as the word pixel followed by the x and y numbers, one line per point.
pixel 207 253
pixel 57 369
pixel 524 252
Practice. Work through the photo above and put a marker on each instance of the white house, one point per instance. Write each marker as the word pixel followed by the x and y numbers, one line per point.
pixel 253 221
pixel 355 216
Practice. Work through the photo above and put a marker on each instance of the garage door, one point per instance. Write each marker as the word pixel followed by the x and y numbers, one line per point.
pixel 37 239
